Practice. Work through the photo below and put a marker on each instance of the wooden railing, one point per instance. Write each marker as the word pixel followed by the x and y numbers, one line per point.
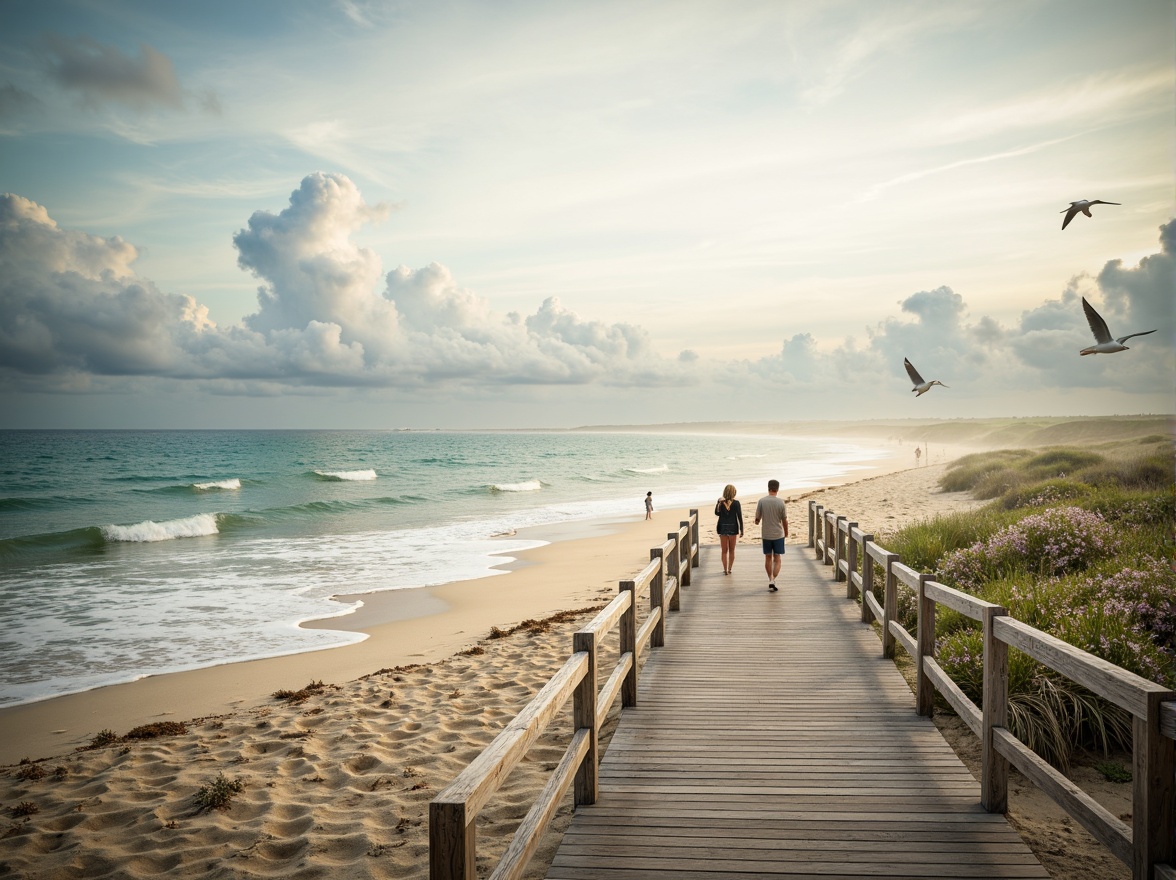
pixel 453 813
pixel 1149 845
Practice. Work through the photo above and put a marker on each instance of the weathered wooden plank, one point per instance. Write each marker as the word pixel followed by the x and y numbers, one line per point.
pixel 608 616
pixel 1090 813
pixel 903 637
pixel 482 777
pixel 612 687
pixel 530 831
pixel 965 708
pixel 1125 689
pixel 1168 719
pixel 967 605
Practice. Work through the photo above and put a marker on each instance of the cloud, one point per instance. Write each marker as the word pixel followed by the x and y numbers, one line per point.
pixel 70 303
pixel 981 356
pixel 73 309
pixel 327 314
pixel 101 73
pixel 14 101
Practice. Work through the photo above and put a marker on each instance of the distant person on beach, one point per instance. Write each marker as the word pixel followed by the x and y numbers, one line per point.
pixel 771 512
pixel 918 455
pixel 649 505
pixel 730 526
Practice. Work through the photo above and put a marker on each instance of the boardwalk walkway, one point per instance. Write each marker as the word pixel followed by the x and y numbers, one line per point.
pixel 772 740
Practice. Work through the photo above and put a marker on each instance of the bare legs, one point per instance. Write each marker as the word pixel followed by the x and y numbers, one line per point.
pixel 772 566
pixel 727 543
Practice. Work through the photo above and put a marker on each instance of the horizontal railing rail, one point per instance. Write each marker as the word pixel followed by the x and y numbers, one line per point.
pixel 453 813
pixel 1148 845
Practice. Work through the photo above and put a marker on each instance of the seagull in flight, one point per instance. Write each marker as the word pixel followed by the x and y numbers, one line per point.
pixel 1082 205
pixel 921 387
pixel 1106 343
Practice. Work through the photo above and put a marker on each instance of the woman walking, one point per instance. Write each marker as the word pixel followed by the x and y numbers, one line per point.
pixel 730 526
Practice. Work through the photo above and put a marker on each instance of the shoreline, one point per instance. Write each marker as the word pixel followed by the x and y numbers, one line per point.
pixel 579 567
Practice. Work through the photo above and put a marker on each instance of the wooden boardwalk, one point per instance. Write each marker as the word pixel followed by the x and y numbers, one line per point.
pixel 771 739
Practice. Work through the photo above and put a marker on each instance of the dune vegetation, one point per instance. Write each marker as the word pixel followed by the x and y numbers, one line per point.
pixel 1077 542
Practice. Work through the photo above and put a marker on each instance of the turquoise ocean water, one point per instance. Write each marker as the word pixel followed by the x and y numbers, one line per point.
pixel 131 553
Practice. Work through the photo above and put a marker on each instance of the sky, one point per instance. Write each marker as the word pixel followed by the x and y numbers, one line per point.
pixel 287 214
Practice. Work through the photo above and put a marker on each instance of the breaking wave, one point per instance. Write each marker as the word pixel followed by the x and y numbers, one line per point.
pixel 346 476
pixel 188 527
pixel 233 483
pixel 527 486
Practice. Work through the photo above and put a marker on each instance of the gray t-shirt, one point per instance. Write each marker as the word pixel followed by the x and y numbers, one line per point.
pixel 770 512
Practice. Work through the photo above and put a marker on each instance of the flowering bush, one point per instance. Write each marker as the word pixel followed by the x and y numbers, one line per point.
pixel 1052 542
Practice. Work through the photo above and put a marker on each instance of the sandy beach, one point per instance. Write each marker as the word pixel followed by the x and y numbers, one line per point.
pixel 335 779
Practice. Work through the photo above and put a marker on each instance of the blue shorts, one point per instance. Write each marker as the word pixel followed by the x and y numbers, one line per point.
pixel 773 545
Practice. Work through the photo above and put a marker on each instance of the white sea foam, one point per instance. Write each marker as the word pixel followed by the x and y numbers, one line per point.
pixel 527 486
pixel 348 476
pixel 234 483
pixel 740 457
pixel 660 469
pixel 188 527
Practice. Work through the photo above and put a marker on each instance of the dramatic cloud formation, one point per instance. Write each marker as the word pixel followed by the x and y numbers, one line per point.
pixel 72 306
pixel 70 303
pixel 980 355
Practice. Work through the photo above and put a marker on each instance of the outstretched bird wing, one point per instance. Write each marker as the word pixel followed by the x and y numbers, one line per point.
pixel 1097 325
pixel 1123 339
pixel 1070 212
pixel 912 372
pixel 1101 202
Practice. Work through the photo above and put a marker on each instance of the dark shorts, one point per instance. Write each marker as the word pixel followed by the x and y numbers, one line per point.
pixel 773 546
pixel 728 529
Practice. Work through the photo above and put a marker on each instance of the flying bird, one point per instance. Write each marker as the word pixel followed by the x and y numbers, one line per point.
pixel 1106 344
pixel 921 387
pixel 1082 205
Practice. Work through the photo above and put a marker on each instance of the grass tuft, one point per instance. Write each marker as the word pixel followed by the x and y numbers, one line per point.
pixel 295 698
pixel 157 729
pixel 218 794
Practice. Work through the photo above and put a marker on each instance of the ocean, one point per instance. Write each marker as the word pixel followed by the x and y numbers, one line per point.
pixel 132 553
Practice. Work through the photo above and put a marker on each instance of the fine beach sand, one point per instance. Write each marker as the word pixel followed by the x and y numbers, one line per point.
pixel 336 780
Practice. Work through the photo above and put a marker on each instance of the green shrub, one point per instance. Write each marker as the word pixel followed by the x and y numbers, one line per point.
pixel 1045 493
pixel 964 473
pixel 1059 462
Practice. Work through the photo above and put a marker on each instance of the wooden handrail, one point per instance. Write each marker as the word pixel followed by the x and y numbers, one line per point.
pixel 1149 846
pixel 453 813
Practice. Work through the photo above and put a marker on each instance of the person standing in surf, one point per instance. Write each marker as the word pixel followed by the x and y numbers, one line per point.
pixel 649 505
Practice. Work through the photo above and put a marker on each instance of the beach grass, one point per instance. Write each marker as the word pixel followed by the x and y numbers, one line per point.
pixel 1076 542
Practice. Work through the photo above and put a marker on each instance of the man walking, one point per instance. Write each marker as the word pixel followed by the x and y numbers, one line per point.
pixel 770 511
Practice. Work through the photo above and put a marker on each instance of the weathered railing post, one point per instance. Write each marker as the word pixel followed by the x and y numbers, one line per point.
pixel 674 558
pixel 812 523
pixel 830 538
pixel 994 774
pixel 587 780
pixel 658 581
pixel 452 842
pixel 657 603
pixel 696 547
pixel 851 560
pixel 924 647
pixel 838 547
pixel 628 638
pixel 867 578
pixel 818 529
pixel 1154 796
pixel 889 606
pixel 685 553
